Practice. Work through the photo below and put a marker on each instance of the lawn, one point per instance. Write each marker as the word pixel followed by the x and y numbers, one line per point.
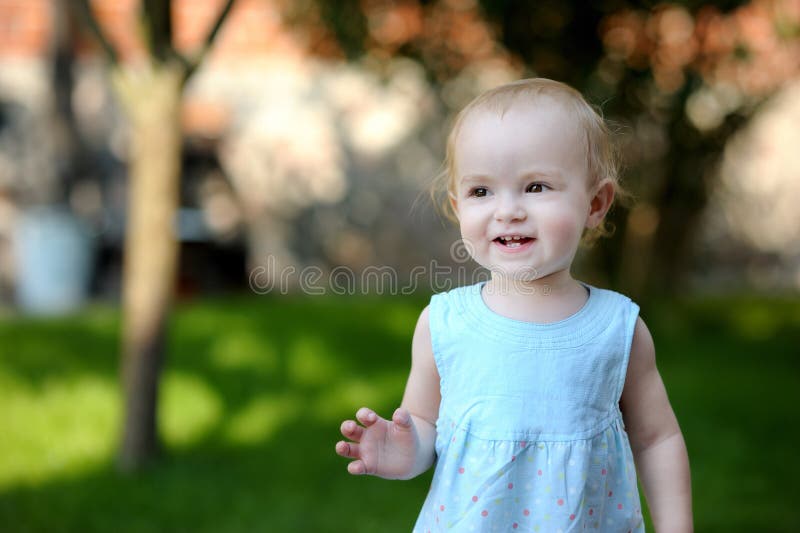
pixel 254 390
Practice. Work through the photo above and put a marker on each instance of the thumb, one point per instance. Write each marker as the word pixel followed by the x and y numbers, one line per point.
pixel 402 418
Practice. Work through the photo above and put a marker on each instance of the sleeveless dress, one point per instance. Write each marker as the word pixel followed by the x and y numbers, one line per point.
pixel 530 435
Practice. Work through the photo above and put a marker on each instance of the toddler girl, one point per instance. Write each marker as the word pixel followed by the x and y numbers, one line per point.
pixel 533 393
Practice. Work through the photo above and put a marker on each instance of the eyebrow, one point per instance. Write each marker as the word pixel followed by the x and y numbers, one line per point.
pixel 533 174
pixel 476 178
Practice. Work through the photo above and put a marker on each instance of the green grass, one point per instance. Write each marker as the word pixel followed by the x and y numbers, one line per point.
pixel 254 391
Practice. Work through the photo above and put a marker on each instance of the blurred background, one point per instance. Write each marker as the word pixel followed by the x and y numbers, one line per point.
pixel 298 139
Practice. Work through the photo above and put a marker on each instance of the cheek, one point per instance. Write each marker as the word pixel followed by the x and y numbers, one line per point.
pixel 565 229
pixel 472 233
pixel 471 221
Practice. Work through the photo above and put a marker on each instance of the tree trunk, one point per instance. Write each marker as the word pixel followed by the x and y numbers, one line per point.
pixel 151 98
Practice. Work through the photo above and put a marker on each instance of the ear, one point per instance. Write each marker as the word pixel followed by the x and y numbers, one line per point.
pixel 453 203
pixel 600 203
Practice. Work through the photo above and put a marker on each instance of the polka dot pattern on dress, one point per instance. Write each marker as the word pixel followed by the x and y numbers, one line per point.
pixel 512 454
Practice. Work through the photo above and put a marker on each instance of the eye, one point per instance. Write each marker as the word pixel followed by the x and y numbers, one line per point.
pixel 478 192
pixel 536 187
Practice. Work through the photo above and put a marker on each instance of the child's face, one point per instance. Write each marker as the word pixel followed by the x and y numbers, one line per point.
pixel 522 175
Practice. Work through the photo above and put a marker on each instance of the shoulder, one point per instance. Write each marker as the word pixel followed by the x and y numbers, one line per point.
pixel 422 354
pixel 637 339
pixel 642 374
pixel 424 321
pixel 611 297
pixel 615 311
pixel 457 292
pixel 422 334
pixel 451 302
pixel 457 299
pixel 643 351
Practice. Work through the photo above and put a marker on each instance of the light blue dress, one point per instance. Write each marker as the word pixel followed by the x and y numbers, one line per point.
pixel 530 435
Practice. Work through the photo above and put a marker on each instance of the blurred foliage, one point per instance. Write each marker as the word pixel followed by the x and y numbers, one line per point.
pixel 252 401
pixel 678 78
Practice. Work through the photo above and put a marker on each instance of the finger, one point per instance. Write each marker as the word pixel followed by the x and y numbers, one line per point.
pixel 347 449
pixel 402 418
pixel 351 430
pixel 357 468
pixel 366 416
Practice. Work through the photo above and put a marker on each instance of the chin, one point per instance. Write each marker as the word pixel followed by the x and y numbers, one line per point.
pixel 524 274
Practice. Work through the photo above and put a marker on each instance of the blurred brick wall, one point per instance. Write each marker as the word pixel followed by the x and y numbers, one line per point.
pixel 254 27
pixel 24 27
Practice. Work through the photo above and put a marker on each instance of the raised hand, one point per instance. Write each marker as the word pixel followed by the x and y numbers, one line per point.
pixel 380 447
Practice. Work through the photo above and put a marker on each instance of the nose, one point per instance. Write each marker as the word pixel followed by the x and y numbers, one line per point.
pixel 509 208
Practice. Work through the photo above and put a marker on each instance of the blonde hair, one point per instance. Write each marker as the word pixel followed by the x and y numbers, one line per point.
pixel 600 150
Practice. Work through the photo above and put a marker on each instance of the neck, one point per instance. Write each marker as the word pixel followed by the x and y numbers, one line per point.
pixel 553 284
pixel 546 299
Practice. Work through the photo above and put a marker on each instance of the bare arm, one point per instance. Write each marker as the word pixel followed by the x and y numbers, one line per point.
pixel 423 395
pixel 656 440
pixel 402 447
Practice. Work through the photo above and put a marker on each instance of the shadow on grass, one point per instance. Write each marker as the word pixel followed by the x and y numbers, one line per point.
pixel 294 483
pixel 254 391
pixel 252 397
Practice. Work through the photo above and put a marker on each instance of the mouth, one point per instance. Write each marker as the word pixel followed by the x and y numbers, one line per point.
pixel 512 242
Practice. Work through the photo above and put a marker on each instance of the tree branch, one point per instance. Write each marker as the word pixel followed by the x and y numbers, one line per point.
pixel 158 28
pixel 84 13
pixel 195 62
